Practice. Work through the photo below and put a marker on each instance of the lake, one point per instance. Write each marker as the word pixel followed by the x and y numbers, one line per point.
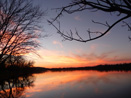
pixel 68 84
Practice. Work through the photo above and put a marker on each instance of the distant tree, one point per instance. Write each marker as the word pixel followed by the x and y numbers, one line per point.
pixel 20 26
pixel 122 8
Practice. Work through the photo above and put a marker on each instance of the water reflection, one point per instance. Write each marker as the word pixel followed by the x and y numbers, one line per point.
pixel 81 84
pixel 14 87
pixel 68 84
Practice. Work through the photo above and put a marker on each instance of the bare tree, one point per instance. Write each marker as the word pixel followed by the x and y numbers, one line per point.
pixel 122 8
pixel 20 26
pixel 17 61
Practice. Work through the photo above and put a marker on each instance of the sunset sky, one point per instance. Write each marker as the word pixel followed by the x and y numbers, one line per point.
pixel 114 47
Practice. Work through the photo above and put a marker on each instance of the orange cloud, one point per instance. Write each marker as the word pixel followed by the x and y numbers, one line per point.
pixel 103 58
pixel 51 58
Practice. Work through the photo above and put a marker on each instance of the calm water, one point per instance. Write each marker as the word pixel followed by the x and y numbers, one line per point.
pixel 69 84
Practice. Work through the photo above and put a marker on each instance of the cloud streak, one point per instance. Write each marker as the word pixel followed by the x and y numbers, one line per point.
pixel 104 58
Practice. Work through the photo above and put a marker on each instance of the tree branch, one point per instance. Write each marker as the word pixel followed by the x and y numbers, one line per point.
pixel 67 37
pixel 122 7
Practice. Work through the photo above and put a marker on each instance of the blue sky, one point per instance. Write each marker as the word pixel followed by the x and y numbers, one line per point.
pixel 112 48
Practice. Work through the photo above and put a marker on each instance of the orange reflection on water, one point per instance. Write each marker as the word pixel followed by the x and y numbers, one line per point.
pixel 49 81
pixel 76 81
pixel 12 92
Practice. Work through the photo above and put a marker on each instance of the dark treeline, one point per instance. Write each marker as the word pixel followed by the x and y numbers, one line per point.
pixel 30 70
pixel 106 67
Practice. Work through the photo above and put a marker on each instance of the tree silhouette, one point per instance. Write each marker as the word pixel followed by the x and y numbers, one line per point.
pixel 122 8
pixel 17 61
pixel 20 26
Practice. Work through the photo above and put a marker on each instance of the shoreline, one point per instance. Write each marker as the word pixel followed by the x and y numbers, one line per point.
pixel 106 67
pixel 20 72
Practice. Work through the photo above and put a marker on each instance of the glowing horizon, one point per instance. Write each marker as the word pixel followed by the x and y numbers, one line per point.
pixel 58 59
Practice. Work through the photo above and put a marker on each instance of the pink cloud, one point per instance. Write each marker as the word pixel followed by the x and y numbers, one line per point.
pixel 103 58
pixel 94 46
pixel 58 43
pixel 77 18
